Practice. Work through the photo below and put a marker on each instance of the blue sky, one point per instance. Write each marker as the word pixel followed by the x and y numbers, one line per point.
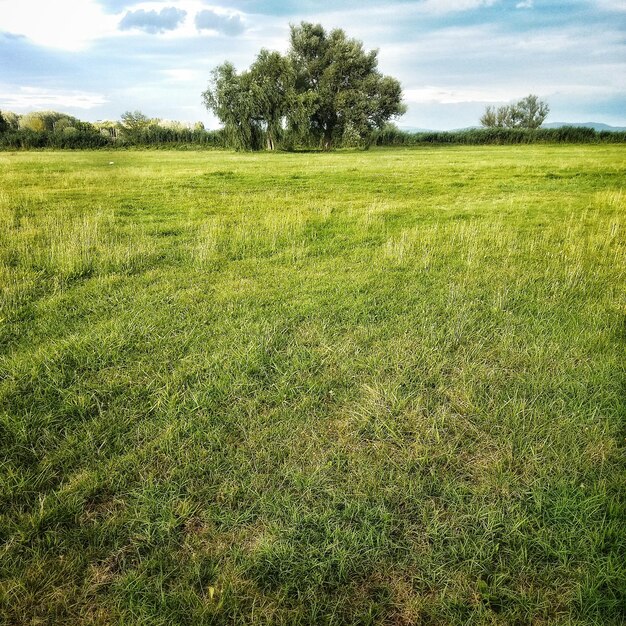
pixel 98 58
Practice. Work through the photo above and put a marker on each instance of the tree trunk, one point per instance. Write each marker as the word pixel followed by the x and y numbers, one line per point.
pixel 328 140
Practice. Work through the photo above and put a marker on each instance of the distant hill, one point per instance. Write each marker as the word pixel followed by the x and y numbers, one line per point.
pixel 415 129
pixel 594 125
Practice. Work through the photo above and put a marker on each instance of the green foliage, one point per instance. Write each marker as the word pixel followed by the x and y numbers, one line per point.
pixel 272 93
pixel 108 128
pixel 133 123
pixel 12 120
pixel 160 136
pixel 33 122
pixel 529 112
pixel 230 97
pixel 4 125
pixel 326 90
pixel 70 133
pixel 392 136
pixel 349 97
pixel 70 138
pixel 63 125
pixel 39 121
pixel 360 388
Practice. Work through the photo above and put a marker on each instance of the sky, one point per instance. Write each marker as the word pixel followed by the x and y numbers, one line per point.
pixel 96 59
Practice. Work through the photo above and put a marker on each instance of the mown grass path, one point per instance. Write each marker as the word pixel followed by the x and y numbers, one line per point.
pixel 350 388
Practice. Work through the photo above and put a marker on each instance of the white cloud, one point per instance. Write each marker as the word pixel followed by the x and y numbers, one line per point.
pixel 229 24
pixel 198 15
pixel 65 24
pixel 612 5
pixel 525 4
pixel 74 24
pixel 499 46
pixel 27 98
pixel 442 95
pixel 391 11
pixel 153 22
pixel 183 75
pixel 494 95
pixel 452 6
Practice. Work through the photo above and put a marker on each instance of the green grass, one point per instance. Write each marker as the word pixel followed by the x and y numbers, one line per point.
pixel 350 388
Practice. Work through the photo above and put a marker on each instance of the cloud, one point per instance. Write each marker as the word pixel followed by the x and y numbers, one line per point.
pixel 116 6
pixel 151 21
pixel 183 75
pixel 62 24
pixel 224 24
pixel 443 95
pixel 452 6
pixel 315 8
pixel 615 6
pixel 36 98
pixel 11 36
pixel 525 4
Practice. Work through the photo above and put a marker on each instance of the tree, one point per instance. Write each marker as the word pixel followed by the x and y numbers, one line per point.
pixel 33 121
pixel 489 118
pixel 529 112
pixel 344 90
pixel 62 124
pixel 40 121
pixel 107 128
pixel 133 122
pixel 12 119
pixel 4 125
pixel 272 84
pixel 254 103
pixel 326 89
pixel 503 117
pixel 230 97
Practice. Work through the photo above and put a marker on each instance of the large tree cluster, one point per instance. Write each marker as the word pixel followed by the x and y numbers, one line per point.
pixel 42 122
pixel 326 90
pixel 529 112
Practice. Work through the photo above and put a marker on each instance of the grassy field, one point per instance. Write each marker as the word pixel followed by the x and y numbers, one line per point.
pixel 349 388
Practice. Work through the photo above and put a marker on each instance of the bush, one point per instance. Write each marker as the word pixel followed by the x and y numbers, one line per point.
pixel 68 138
pixel 85 136
pixel 155 135
pixel 499 136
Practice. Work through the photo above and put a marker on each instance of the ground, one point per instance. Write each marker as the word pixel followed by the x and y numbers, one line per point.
pixel 378 387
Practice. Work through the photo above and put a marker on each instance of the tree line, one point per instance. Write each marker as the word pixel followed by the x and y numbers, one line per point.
pixel 496 135
pixel 147 133
pixel 52 129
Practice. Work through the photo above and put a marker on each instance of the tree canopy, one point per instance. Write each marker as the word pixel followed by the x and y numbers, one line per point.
pixel 326 90
pixel 47 121
pixel 529 112
pixel 133 122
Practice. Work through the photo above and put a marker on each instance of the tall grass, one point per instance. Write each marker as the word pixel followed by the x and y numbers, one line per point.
pixel 351 388
pixel 185 139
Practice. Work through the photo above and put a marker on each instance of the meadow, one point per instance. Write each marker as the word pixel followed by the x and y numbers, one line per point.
pixel 379 387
